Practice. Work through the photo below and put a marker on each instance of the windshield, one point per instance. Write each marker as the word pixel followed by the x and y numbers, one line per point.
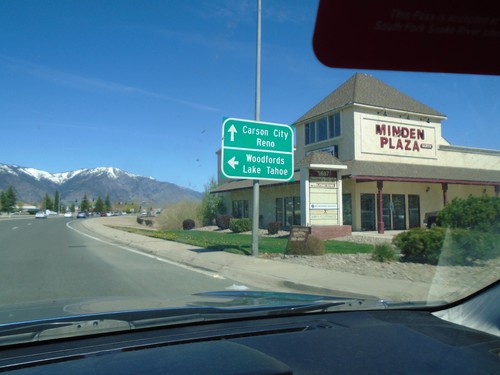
pixel 199 154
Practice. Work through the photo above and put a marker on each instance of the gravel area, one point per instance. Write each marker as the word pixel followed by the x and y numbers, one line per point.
pixel 361 264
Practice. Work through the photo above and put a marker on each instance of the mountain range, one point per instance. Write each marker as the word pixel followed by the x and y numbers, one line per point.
pixel 31 185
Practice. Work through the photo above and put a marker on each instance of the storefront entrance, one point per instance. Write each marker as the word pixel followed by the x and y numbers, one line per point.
pixel 393 211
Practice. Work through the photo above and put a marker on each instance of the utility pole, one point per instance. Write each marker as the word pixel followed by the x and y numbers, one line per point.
pixel 256 200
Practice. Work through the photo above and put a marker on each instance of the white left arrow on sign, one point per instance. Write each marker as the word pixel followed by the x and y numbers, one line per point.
pixel 233 162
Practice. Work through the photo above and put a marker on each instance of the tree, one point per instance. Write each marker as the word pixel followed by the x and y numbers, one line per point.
pixel 85 206
pixel 56 201
pixel 107 204
pixel 99 205
pixel 211 204
pixel 47 203
pixel 2 200
pixel 10 200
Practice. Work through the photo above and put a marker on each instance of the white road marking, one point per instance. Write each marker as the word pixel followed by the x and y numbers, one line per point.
pixel 206 273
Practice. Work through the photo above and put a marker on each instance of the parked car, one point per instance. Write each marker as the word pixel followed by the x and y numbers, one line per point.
pixel 81 215
pixel 68 214
pixel 40 215
pixel 430 219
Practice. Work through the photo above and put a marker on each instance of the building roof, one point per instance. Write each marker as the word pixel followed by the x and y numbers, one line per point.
pixel 366 90
pixel 318 157
pixel 370 171
pixel 375 171
pixel 247 184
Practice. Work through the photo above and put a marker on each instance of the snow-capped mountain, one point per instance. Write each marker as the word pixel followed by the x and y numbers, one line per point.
pixel 31 185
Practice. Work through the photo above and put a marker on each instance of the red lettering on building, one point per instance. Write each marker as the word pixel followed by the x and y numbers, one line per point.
pixel 388 132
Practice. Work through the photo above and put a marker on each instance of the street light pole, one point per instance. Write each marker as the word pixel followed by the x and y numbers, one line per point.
pixel 255 217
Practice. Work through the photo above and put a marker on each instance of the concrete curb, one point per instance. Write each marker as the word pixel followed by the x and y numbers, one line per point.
pixel 264 273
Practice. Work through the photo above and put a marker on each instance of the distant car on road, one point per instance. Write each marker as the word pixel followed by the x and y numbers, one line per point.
pixel 81 215
pixel 40 215
pixel 103 214
pixel 68 214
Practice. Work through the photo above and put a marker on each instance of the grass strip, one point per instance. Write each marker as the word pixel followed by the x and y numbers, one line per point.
pixel 242 243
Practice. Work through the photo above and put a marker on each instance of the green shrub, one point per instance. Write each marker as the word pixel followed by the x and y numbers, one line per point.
pixel 240 225
pixel 188 224
pixel 173 215
pixel 211 204
pixel 447 246
pixel 222 221
pixel 312 246
pixel 273 228
pixel 384 253
pixel 479 213
pixel 420 245
pixel 466 246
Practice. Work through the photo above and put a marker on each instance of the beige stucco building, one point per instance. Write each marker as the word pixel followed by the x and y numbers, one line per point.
pixel 368 157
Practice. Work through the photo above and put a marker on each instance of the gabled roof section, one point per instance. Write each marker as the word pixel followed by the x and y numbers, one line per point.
pixel 319 158
pixel 365 89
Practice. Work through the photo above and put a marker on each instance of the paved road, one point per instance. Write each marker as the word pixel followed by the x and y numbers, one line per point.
pixel 45 260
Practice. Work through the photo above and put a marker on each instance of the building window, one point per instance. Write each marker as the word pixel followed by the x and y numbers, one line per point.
pixel 398 212
pixel 334 125
pixel 322 129
pixel 279 210
pixel 240 209
pixel 296 210
pixel 288 211
pixel 310 134
pixel 414 211
pixel 347 209
pixel 368 212
pixel 335 151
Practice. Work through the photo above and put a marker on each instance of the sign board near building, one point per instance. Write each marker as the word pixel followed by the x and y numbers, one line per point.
pixel 398 138
pixel 323 197
pixel 256 150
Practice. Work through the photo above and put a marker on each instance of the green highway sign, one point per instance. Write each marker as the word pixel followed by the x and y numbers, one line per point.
pixel 256 150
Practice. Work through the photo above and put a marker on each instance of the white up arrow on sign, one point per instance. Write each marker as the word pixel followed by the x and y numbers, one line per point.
pixel 233 162
pixel 232 130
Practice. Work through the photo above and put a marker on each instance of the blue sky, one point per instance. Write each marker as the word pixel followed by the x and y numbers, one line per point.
pixel 144 85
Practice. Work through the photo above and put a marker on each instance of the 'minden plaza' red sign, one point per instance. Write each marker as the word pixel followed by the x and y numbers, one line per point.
pixel 401 137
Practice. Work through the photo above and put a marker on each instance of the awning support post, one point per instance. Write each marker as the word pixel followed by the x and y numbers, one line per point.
pixel 380 186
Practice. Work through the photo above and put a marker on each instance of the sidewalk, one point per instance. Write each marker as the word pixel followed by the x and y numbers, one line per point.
pixel 260 273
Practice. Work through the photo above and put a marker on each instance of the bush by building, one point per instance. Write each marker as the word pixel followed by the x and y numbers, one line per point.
pixel 447 246
pixel 273 228
pixel 240 225
pixel 384 253
pixel 420 245
pixel 188 224
pixel 211 205
pixel 172 216
pixel 222 221
pixel 469 246
pixel 312 246
pixel 478 213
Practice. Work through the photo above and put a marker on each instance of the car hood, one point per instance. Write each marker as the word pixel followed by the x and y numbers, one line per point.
pixel 53 309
